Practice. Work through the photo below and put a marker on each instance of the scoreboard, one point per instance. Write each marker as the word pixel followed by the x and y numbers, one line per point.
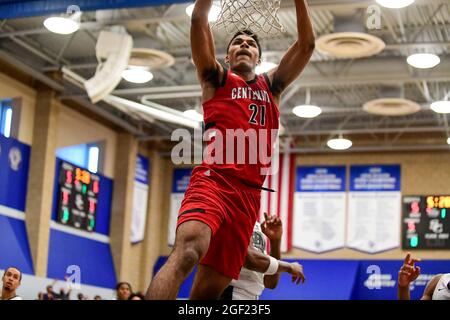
pixel 78 197
pixel 426 222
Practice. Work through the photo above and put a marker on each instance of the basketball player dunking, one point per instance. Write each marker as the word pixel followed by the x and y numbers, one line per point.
pixel 221 204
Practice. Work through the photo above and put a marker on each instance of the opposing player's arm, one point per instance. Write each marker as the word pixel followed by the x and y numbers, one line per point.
pixel 272 227
pixel 209 69
pixel 256 260
pixel 431 286
pixel 408 273
pixel 298 55
pixel 271 281
pixel 260 262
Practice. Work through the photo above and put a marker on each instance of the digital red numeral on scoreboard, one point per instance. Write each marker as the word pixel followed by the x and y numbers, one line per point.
pixel 415 207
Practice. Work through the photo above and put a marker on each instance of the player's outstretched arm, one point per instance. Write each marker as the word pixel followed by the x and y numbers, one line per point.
pixel 407 274
pixel 256 260
pixel 209 69
pixel 260 262
pixel 272 227
pixel 298 55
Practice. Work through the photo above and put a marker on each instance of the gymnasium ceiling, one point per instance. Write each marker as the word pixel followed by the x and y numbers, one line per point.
pixel 339 86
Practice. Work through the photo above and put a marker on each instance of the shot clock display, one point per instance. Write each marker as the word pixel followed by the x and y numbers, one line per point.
pixel 426 222
pixel 78 197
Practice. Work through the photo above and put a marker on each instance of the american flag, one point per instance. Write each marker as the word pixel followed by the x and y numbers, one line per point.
pixel 281 202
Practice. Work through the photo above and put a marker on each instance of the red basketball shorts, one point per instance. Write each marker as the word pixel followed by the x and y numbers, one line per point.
pixel 230 209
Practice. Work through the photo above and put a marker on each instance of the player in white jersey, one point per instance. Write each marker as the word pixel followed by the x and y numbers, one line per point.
pixel 251 284
pixel 438 288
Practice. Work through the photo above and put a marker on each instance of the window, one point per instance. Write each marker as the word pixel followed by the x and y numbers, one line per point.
pixel 6 113
pixel 84 155
pixel 93 157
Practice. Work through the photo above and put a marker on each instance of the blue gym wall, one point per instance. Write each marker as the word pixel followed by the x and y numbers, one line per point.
pixel 14 246
pixel 94 258
pixel 338 280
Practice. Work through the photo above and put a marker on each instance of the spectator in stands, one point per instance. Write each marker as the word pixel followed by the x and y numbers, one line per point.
pixel 63 295
pixel 80 296
pixel 40 296
pixel 11 279
pixel 136 296
pixel 50 295
pixel 97 297
pixel 123 291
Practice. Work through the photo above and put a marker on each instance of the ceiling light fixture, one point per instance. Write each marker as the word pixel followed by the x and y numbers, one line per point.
pixel 339 143
pixel 441 106
pixel 307 111
pixel 213 13
pixel 423 60
pixel 193 115
pixel 63 25
pixel 137 75
pixel 395 4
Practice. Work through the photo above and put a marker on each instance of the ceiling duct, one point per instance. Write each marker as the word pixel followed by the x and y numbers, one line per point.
pixel 108 15
pixel 391 102
pixel 150 58
pixel 349 39
pixel 113 50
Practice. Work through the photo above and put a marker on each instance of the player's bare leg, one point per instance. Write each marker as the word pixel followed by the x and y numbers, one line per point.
pixel 191 244
pixel 208 284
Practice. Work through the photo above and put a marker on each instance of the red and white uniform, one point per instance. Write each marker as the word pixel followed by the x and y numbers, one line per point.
pixel 226 196
pixel 251 107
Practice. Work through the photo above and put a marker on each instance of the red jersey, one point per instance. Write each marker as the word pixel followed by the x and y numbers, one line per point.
pixel 246 115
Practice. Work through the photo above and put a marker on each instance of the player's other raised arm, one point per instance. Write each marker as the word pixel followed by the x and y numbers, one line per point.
pixel 298 55
pixel 202 45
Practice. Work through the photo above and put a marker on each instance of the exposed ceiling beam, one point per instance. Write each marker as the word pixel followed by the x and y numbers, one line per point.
pixel 361 149
pixel 379 148
pixel 8 58
pixel 364 71
pixel 366 131
pixel 341 109
pixel 285 5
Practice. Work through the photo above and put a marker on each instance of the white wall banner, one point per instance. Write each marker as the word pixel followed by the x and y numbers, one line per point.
pixel 180 183
pixel 319 208
pixel 374 208
pixel 140 200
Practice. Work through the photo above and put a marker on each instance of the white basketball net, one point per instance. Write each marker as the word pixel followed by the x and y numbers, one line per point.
pixel 256 15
